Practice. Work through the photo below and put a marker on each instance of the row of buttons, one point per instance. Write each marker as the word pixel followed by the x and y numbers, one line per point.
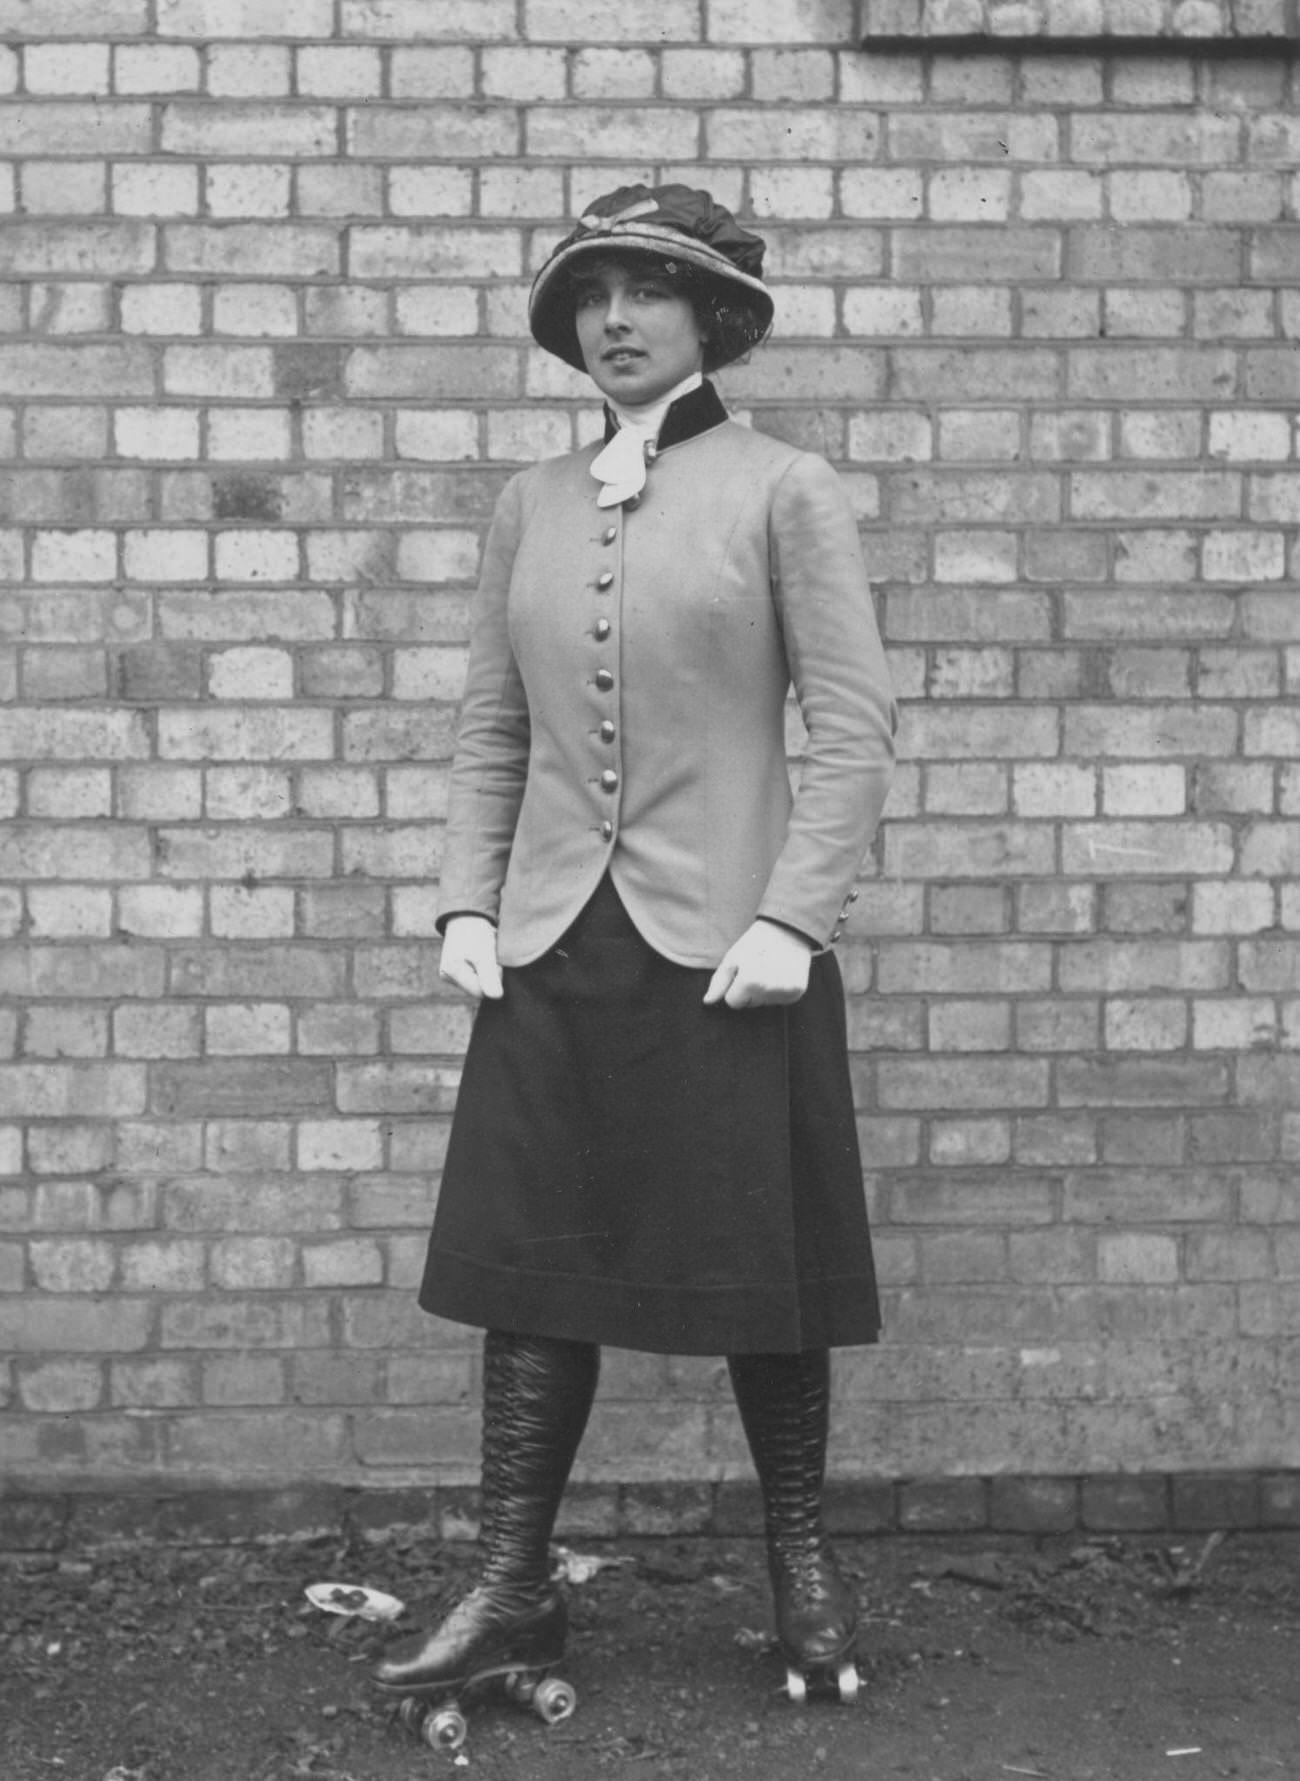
pixel 844 915
pixel 602 630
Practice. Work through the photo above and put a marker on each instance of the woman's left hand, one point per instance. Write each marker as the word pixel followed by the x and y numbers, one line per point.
pixel 767 966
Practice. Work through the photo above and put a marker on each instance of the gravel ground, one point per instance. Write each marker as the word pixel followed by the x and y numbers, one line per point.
pixel 1066 1660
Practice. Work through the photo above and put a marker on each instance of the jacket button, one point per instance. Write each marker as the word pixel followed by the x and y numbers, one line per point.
pixel 609 780
pixel 853 896
pixel 609 535
pixel 605 580
pixel 604 679
pixel 607 831
pixel 607 731
pixel 836 935
pixel 603 628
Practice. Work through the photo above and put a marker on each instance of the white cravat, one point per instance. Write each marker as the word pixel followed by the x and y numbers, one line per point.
pixel 620 467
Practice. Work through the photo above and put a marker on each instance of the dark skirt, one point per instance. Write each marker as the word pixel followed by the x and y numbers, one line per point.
pixel 629 1167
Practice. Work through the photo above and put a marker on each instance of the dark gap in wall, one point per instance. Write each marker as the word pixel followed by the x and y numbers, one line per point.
pixel 1199 49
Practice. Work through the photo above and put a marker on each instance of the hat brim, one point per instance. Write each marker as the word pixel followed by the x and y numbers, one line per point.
pixel 550 316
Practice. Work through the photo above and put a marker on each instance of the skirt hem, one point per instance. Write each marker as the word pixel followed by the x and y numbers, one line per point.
pixel 711 1319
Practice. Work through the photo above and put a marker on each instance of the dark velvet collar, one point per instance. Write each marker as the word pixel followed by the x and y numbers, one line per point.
pixel 698 411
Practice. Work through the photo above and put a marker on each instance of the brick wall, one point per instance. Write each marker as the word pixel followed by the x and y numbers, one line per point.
pixel 262 372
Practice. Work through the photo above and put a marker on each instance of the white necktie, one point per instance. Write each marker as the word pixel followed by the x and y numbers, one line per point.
pixel 620 467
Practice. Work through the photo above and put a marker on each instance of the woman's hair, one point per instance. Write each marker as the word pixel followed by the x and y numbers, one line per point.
pixel 729 326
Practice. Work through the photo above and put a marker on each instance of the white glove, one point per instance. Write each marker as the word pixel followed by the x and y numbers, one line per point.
pixel 469 956
pixel 767 966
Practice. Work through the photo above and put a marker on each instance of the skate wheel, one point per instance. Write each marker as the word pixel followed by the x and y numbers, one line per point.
pixel 554 1701
pixel 411 1713
pixel 848 1682
pixel 446 1729
pixel 796 1687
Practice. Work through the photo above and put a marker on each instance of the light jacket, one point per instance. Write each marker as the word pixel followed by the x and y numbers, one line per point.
pixel 624 709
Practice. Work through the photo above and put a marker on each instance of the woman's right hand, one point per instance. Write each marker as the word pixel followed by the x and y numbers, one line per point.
pixel 469 956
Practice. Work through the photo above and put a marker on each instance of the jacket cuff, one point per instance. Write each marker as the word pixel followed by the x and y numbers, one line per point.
pixel 440 921
pixel 790 928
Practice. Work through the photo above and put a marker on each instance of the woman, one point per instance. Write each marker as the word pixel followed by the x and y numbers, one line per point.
pixel 654 1144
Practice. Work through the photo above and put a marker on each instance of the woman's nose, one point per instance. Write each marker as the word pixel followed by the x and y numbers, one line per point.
pixel 615 316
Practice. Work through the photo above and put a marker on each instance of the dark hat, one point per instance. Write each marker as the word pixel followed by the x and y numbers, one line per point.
pixel 673 223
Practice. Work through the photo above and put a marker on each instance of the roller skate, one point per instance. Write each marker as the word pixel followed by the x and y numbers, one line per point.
pixel 816 1626
pixel 784 1402
pixel 510 1629
pixel 486 1640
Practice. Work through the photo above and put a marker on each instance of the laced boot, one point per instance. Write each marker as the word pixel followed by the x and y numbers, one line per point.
pixel 784 1404
pixel 537 1393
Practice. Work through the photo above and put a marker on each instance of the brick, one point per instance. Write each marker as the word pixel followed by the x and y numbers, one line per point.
pixel 1119 965
pixel 1148 790
pixel 437 131
pixel 961 1082
pixel 52 248
pixel 458 251
pixel 72 1265
pixel 1124 1504
pixel 206 19
pixel 76 18
pixel 1145 908
pixel 1103 373
pixel 1133 254
pixel 1161 434
pixel 59 794
pixel 919 497
pixel 155 68
pixel 340 71
pixel 61 127
pixel 247 71
pixel 881 192
pixel 970 374
pixel 1215 1502
pixel 241 248
pixel 253 1263
pixel 246 1030
pixel 243 189
pixel 1127 730
pixel 412 372
pixel 1063 790
pixel 61 1388
pixel 333 190
pixel 1065 195
pixel 252 1379
pixel 957 1505
pixel 162 309
pixel 455 20
pixel 777 133
pixel 252 734
pixel 1034 1505
pixel 58 188
pixel 967 254
pixel 567 21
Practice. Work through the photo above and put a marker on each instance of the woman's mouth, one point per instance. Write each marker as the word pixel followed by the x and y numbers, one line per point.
pixel 621 355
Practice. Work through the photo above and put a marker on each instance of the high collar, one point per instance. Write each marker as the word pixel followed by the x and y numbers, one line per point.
pixel 698 411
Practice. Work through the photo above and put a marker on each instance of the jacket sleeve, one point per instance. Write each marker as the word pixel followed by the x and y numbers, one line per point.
pixel 841 680
pixel 490 764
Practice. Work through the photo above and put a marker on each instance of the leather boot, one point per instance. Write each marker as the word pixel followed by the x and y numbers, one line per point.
pixel 784 1404
pixel 537 1393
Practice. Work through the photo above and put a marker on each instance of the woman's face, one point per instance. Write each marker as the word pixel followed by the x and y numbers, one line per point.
pixel 638 334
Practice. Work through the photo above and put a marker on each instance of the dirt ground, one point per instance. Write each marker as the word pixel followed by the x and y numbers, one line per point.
pixel 1068 1660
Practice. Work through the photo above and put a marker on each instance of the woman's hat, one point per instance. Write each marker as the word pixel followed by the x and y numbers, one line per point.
pixel 674 223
